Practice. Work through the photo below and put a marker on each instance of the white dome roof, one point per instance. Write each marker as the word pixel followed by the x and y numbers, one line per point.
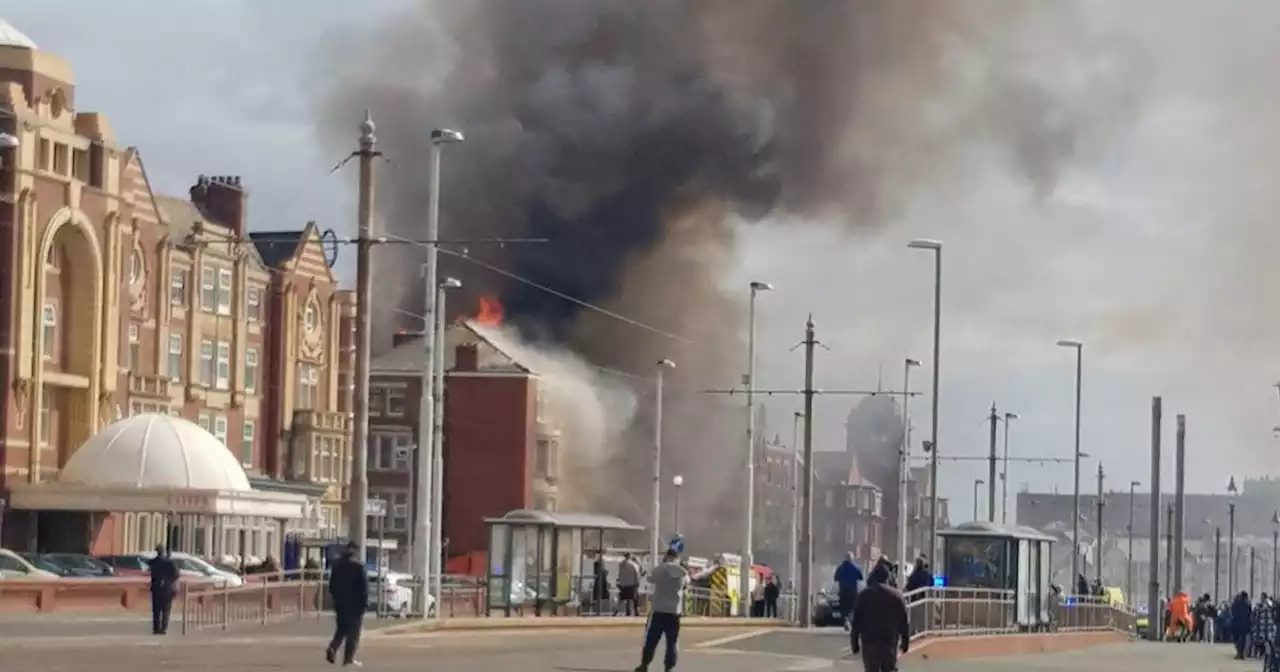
pixel 12 37
pixel 155 451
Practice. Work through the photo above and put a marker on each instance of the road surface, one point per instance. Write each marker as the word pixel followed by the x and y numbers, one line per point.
pixel 300 647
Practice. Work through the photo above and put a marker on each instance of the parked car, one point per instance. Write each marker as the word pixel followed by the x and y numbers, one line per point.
pixel 14 566
pixel 200 567
pixel 826 609
pixel 126 565
pixel 137 565
pixel 397 591
pixel 73 565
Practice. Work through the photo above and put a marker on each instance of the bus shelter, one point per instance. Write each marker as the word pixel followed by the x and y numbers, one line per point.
pixel 1012 562
pixel 550 561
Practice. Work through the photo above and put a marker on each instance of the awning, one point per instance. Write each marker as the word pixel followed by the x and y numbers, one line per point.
pixel 55 496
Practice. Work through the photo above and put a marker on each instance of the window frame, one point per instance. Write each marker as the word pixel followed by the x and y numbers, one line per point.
pixel 222 366
pixel 225 285
pixel 208 366
pixel 177 285
pixel 49 325
pixel 208 287
pixel 176 373
pixel 250 370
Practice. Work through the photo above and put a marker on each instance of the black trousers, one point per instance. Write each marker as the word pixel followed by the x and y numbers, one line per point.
pixel 661 625
pixel 1241 639
pixel 847 600
pixel 346 630
pixel 879 657
pixel 161 607
pixel 770 608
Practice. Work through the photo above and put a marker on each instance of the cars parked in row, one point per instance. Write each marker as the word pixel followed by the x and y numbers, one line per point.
pixel 14 566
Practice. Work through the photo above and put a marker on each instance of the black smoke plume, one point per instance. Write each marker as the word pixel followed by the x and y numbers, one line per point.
pixel 639 135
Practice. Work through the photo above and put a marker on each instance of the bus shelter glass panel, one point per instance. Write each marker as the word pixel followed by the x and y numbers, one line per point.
pixel 565 556
pixel 499 561
pixel 977 562
pixel 524 564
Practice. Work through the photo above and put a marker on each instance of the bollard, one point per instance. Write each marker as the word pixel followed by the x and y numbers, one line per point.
pixel 226 606
pixel 265 601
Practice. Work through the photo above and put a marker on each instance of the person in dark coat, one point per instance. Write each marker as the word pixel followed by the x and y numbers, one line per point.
pixel 771 592
pixel 920 577
pixel 847 578
pixel 879 627
pixel 1082 585
pixel 349 588
pixel 164 586
pixel 1241 623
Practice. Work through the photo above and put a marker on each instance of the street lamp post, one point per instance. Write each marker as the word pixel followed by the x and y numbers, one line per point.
pixel 748 540
pixel 977 485
pixel 677 481
pixel 1075 506
pixel 656 514
pixel 904 466
pixel 1275 551
pixel 1128 570
pixel 795 498
pixel 423 535
pixel 437 559
pixel 1231 538
pixel 936 247
pixel 1004 472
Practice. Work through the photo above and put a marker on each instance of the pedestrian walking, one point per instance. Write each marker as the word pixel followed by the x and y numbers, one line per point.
pixel 879 627
pixel 1241 623
pixel 349 588
pixel 847 578
pixel 669 581
pixel 164 586
pixel 628 586
pixel 771 592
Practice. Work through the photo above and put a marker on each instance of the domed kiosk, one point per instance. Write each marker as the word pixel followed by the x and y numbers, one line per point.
pixel 173 482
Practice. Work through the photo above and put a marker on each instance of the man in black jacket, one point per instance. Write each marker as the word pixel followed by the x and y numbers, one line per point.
pixel 349 588
pixel 879 628
pixel 164 585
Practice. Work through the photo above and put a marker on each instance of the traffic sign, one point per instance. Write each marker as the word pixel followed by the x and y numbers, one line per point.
pixel 376 508
pixel 677 544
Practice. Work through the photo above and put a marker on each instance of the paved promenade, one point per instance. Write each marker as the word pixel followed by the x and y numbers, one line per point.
pixel 298 646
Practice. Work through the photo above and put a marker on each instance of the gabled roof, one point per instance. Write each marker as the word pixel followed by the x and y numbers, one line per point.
pixel 406 357
pixel 281 250
pixel 181 217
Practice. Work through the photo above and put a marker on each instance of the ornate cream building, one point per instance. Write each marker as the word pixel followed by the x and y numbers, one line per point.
pixel 118 303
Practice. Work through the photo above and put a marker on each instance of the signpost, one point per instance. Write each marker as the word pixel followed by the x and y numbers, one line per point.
pixel 377 508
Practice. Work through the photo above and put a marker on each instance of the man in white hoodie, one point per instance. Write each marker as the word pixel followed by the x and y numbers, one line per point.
pixel 669 581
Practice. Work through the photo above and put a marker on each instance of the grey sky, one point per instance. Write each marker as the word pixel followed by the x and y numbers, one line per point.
pixel 1156 249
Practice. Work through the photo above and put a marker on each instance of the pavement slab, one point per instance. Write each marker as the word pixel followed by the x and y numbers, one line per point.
pixel 300 647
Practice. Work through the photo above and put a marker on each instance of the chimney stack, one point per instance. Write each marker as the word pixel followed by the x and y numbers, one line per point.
pixel 466 357
pixel 222 200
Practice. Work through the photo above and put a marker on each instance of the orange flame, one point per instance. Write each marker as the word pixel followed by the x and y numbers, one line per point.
pixel 490 312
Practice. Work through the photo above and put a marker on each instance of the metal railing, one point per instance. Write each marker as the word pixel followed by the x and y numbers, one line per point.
pixel 264 598
pixel 946 611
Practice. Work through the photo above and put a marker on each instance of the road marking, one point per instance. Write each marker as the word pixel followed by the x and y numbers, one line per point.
pixel 733 638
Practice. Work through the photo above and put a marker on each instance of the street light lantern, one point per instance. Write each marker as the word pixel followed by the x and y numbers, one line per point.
pixel 758 286
pixel 666 363
pixel 446 136
pixel 1231 487
pixel 8 141
pixel 925 244
pixel 1070 343
pixel 678 480
pixel 913 362
pixel 451 283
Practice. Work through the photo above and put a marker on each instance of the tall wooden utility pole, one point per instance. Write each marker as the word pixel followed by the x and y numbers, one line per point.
pixel 358 492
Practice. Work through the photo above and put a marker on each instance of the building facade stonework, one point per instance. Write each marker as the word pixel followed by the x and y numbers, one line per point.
pixel 118 301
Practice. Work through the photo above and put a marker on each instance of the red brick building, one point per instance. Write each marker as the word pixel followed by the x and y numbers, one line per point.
pixel 499 454
pixel 116 301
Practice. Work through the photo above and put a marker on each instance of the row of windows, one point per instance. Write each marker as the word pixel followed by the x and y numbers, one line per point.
pixel 387 402
pixel 390 452
pixel 397 518
pixel 866 501
pixel 215 291
pixel 216 424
